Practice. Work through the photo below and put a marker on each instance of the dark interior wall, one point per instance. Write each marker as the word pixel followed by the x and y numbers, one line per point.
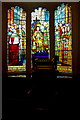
pixel 75 39
pixel 4 52
pixel 51 6
pixel 0 59
pixel 79 40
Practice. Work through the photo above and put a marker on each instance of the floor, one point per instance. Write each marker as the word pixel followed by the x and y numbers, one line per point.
pixel 42 95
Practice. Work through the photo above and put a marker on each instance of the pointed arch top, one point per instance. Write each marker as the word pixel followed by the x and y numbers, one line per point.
pixel 16 39
pixel 63 37
pixel 40 38
pixel 40 13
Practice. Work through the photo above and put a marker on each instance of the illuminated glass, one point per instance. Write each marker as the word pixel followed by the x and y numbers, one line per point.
pixel 63 38
pixel 21 76
pixel 16 39
pixel 40 38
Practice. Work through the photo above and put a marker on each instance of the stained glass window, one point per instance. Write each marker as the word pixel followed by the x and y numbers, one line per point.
pixel 16 39
pixel 40 38
pixel 63 37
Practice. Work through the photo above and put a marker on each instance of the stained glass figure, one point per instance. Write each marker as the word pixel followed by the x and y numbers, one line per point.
pixel 16 39
pixel 63 37
pixel 40 39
